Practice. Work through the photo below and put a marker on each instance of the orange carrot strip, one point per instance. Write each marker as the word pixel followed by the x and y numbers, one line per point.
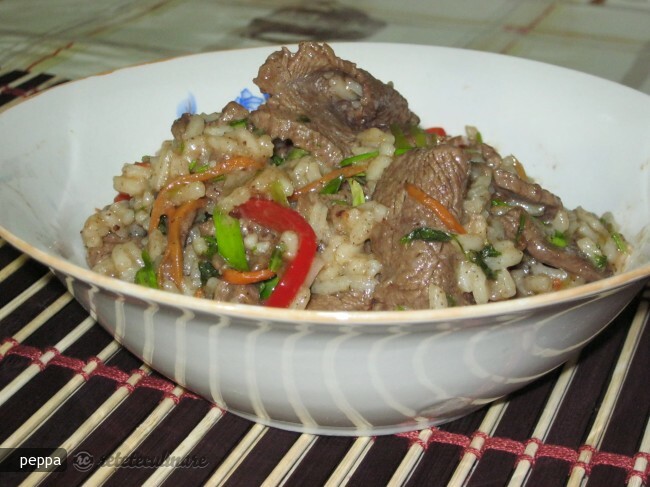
pixel 346 172
pixel 246 277
pixel 161 204
pixel 448 219
pixel 172 261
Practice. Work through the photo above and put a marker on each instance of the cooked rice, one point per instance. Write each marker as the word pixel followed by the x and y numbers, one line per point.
pixel 118 232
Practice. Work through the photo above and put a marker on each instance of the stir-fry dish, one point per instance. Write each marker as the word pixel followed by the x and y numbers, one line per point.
pixel 331 195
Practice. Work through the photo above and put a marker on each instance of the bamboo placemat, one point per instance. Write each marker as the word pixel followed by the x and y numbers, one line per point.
pixel 65 383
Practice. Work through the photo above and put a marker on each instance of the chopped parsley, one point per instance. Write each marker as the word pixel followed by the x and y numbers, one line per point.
pixel 478 258
pixel 428 235
pixel 520 227
pixel 498 202
pixel 600 261
pixel 162 225
pixel 212 246
pixel 207 270
pixel 277 160
pixel 195 168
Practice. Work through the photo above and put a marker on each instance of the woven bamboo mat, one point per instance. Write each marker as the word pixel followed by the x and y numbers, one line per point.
pixel 64 383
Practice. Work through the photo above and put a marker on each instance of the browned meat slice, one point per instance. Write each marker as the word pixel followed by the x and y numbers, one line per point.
pixel 479 152
pixel 180 126
pixel 236 293
pixel 525 231
pixel 512 186
pixel 344 301
pixel 231 112
pixel 409 269
pixel 319 101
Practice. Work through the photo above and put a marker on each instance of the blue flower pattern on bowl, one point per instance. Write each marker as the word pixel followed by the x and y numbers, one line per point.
pixel 188 105
pixel 246 98
pixel 249 100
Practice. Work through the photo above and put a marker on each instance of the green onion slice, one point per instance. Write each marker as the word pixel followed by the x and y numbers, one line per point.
pixel 401 142
pixel 230 242
pixel 296 153
pixel 277 193
pixel 146 275
pixel 238 123
pixel 621 245
pixel 348 161
pixel 420 136
pixel 358 198
pixel 333 186
pixel 267 287
pixel 558 239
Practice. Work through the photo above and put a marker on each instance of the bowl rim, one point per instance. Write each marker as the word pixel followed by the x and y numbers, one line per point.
pixel 349 318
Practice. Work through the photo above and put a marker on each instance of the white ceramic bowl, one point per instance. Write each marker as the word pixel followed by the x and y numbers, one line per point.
pixel 584 138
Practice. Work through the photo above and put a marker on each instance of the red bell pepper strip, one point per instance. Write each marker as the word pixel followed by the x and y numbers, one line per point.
pixel 121 197
pixel 281 219
pixel 439 131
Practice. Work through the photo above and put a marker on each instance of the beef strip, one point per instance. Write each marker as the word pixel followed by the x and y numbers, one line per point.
pixel 513 189
pixel 343 301
pixel 527 234
pixel 320 102
pixel 232 112
pixel 490 155
pixel 179 126
pixel 478 152
pixel 236 293
pixel 409 269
